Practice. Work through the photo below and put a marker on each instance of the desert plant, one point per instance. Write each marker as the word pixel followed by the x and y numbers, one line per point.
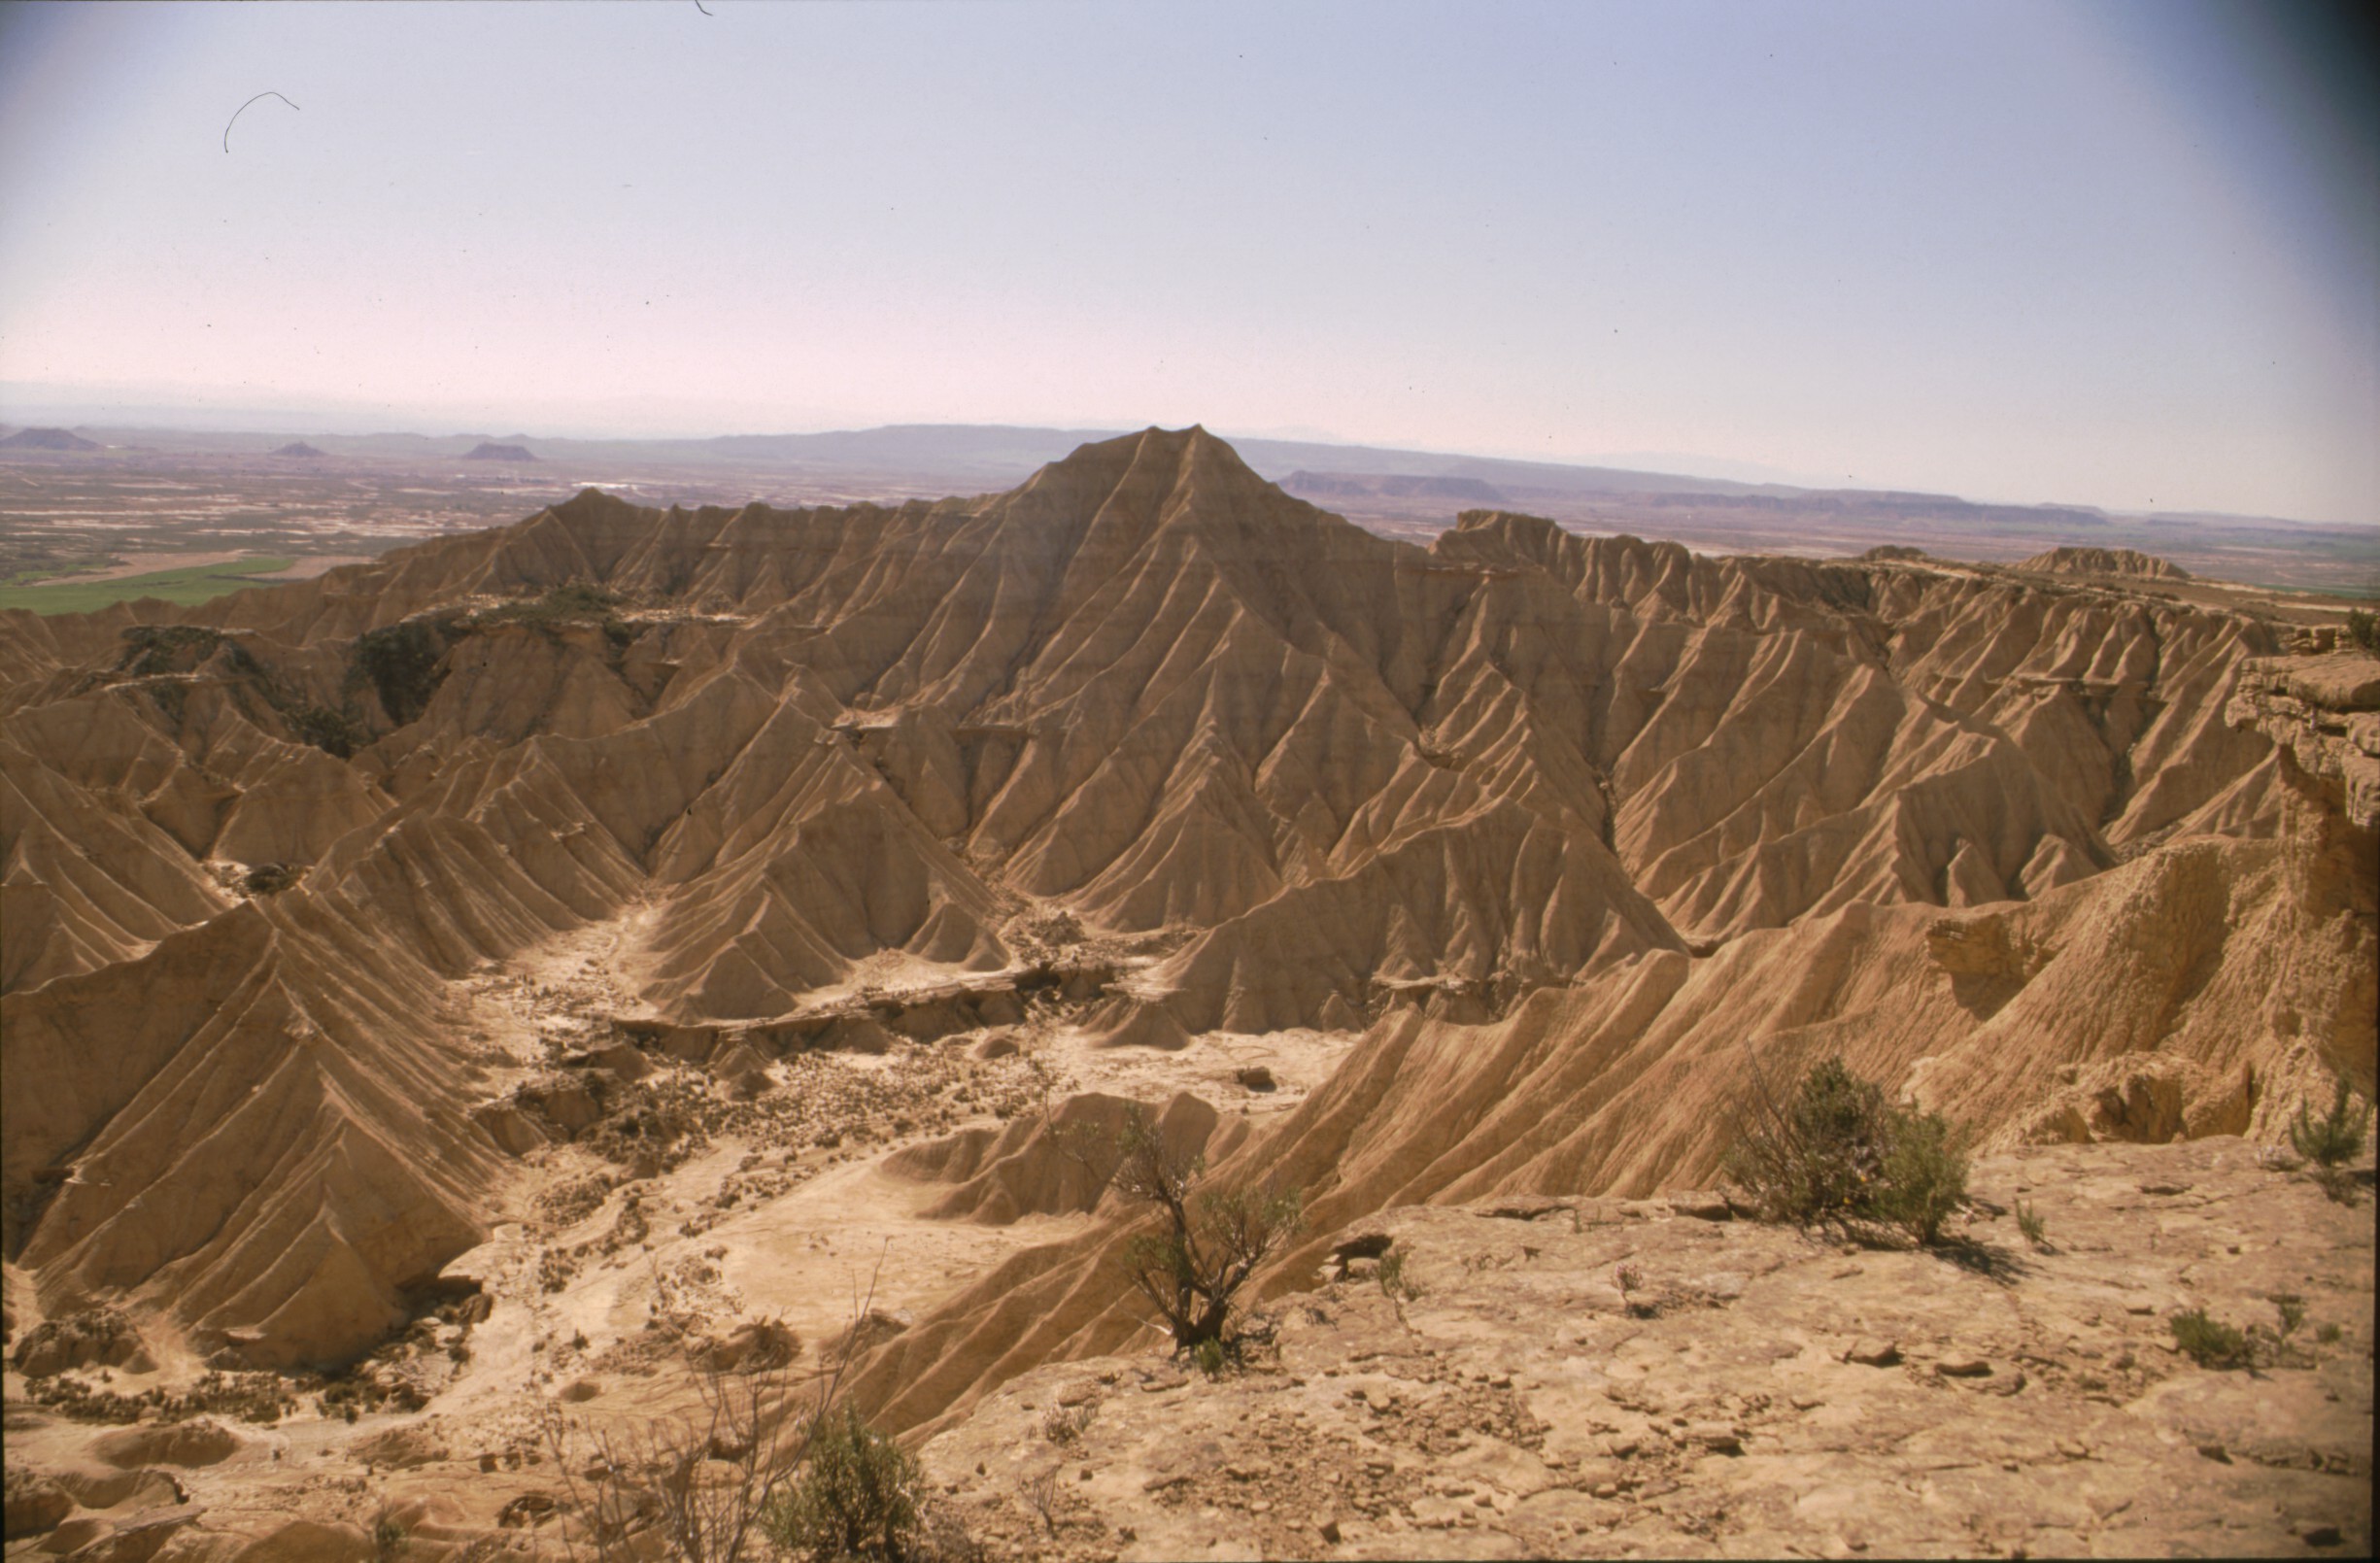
pixel 1040 1495
pixel 1393 1279
pixel 2292 1309
pixel 1630 1280
pixel 716 1487
pixel 2364 630
pixel 388 1536
pixel 1924 1176
pixel 2208 1342
pixel 1063 1425
pixel 2329 1335
pixel 859 1497
pixel 1837 1152
pixel 2335 1137
pixel 1206 1242
pixel 2029 1222
pixel 1816 1157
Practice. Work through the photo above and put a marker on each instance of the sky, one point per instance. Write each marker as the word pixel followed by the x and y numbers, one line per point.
pixel 2124 254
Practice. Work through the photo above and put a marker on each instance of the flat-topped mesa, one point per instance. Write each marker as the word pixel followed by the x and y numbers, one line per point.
pixel 2124 563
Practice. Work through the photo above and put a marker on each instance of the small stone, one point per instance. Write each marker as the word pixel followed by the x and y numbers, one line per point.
pixel 1716 1437
pixel 1963 1368
pixel 1807 1403
pixel 1329 1531
pixel 1607 1489
pixel 2216 1452
pixel 2140 1308
pixel 2319 1535
pixel 1872 1352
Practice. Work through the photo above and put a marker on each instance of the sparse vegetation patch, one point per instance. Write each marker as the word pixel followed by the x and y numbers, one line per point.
pixel 1836 1152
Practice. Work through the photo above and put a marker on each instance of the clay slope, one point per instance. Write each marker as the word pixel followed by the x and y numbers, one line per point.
pixel 1263 768
pixel 2207 988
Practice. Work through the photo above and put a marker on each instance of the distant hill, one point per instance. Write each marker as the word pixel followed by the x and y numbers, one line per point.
pixel 2103 561
pixel 47 439
pixel 297 448
pixel 491 450
pixel 1363 484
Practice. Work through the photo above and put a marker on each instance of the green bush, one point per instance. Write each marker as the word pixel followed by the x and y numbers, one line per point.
pixel 405 662
pixel 2333 1139
pixel 1924 1180
pixel 2209 1341
pixel 2364 628
pixel 1817 1157
pixel 858 1497
pixel 1837 1152
pixel 2029 1222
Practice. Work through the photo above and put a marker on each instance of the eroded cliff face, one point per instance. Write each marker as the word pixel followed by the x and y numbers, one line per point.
pixel 2324 712
pixel 1142 751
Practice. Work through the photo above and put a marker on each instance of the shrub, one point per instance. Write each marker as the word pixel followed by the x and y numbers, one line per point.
pixel 1837 1152
pixel 1393 1281
pixel 1925 1175
pixel 858 1498
pixel 1207 1243
pixel 1063 1425
pixel 1817 1157
pixel 334 732
pixel 2364 628
pixel 388 1537
pixel 2335 1137
pixel 2209 1341
pixel 405 662
pixel 2029 1221
pixel 2329 1335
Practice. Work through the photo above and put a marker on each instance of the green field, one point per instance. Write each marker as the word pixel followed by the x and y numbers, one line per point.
pixel 195 585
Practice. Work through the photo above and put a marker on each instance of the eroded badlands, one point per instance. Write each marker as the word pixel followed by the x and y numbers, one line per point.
pixel 487 980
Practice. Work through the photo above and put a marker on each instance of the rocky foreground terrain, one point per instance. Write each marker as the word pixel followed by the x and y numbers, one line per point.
pixel 494 983
pixel 1473 1381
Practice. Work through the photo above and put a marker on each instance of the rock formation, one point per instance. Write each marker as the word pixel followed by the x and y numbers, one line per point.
pixel 2118 562
pixel 1575 832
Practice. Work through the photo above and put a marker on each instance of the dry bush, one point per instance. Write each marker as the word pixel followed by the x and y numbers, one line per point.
pixel 1207 1242
pixel 1837 1152
pixel 859 1496
pixel 771 1461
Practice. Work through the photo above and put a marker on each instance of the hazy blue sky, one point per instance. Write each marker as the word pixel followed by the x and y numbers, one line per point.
pixel 2118 254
